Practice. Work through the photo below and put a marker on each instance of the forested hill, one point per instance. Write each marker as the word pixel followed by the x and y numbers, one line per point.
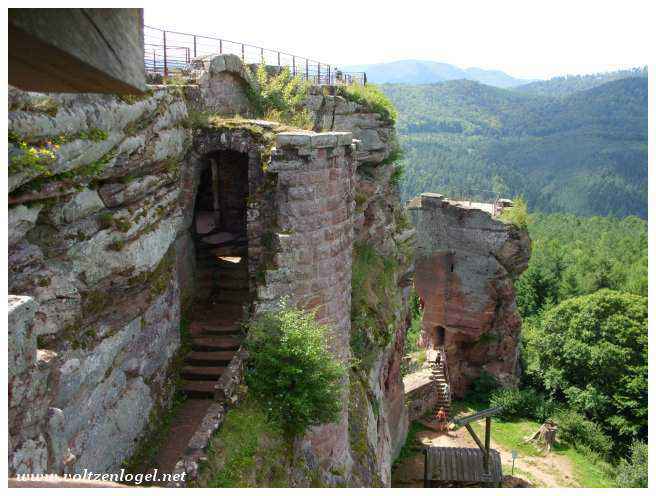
pixel 585 153
pixel 566 85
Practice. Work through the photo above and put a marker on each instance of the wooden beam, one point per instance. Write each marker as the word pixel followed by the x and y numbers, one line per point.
pixel 476 416
pixel 475 437
pixel 486 454
pixel 77 50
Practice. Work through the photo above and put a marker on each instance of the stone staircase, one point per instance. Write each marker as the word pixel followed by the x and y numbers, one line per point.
pixel 222 294
pixel 440 374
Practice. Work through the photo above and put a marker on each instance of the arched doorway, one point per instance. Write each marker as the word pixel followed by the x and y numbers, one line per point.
pixel 219 229
pixel 440 336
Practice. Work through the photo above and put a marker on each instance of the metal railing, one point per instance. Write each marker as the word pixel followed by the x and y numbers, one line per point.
pixel 170 52
pixel 473 195
pixel 445 369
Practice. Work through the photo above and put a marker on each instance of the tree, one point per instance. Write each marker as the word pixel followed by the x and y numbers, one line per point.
pixel 591 351
pixel 290 371
pixel 634 471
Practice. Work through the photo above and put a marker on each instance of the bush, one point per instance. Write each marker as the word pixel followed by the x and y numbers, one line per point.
pixel 371 96
pixel 576 430
pixel 634 472
pixel 290 370
pixel 279 97
pixel 517 214
pixel 522 403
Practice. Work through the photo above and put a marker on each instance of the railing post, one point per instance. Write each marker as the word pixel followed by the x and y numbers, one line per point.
pixel 154 62
pixel 364 78
pixel 318 72
pixel 220 47
pixel 307 70
pixel 278 59
pixel 166 69
pixel 243 58
pixel 195 47
pixel 262 55
pixel 328 74
pixel 293 65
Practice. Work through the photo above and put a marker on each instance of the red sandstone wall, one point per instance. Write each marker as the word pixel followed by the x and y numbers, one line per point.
pixel 466 263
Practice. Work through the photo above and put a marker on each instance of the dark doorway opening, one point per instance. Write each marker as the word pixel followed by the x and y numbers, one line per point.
pixel 440 336
pixel 219 230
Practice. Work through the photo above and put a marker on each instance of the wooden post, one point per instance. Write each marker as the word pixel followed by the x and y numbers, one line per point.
pixel 486 455
pixel 426 483
pixel 166 70
pixel 216 201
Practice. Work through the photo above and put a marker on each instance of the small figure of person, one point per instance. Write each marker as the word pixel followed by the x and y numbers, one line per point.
pixel 441 419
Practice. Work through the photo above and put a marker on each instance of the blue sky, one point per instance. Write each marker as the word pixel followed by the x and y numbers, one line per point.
pixel 527 39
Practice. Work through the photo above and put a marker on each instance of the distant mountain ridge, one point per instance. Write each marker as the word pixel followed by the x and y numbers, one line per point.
pixel 570 84
pixel 426 72
pixel 584 152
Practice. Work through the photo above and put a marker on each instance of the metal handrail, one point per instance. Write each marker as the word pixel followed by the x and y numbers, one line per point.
pixel 445 367
pixel 158 43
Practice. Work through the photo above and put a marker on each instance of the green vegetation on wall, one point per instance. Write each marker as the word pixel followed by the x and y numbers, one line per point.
pixel 374 302
pixel 290 370
pixel 371 96
pixel 279 97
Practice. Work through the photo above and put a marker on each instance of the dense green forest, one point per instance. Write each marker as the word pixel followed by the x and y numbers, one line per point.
pixel 583 301
pixel 583 153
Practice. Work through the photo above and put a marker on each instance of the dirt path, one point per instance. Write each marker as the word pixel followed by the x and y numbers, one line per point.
pixel 550 470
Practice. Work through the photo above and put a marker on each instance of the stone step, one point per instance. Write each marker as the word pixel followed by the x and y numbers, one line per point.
pixel 200 372
pixel 200 327
pixel 232 283
pixel 219 238
pixel 215 343
pixel 210 358
pixel 198 389
pixel 232 296
pixel 222 310
pixel 205 222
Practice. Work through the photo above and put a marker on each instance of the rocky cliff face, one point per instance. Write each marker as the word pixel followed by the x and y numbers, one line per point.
pixel 382 265
pixel 466 263
pixel 94 221
pixel 102 193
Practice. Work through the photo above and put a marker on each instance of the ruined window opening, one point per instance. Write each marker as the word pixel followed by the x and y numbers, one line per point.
pixel 452 266
pixel 219 229
pixel 440 336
